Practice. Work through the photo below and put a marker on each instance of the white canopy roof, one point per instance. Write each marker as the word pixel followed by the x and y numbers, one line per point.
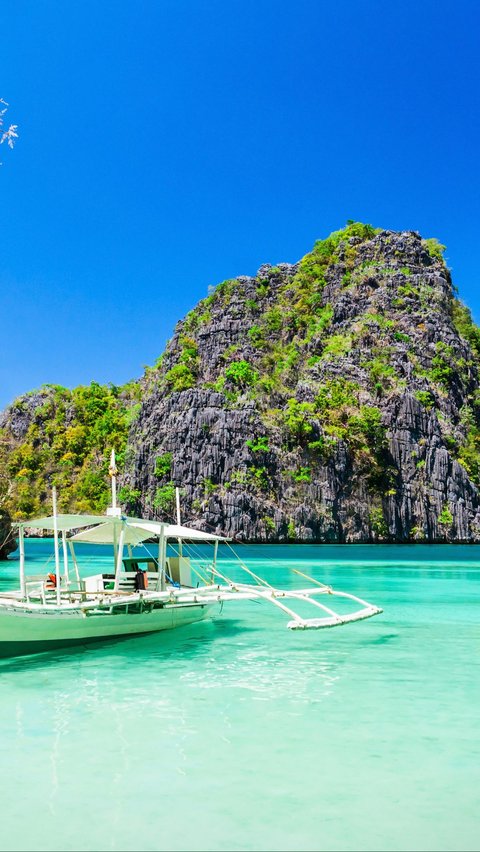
pixel 109 532
pixel 105 529
pixel 65 522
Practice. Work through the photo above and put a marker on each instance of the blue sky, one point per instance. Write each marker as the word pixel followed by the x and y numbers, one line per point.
pixel 166 145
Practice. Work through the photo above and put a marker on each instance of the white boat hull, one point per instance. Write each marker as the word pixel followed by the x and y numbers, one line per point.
pixel 27 631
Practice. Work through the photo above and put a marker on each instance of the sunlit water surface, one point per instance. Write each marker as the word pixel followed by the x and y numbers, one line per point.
pixel 237 734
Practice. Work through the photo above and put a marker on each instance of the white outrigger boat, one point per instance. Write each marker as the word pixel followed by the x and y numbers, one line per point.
pixel 140 594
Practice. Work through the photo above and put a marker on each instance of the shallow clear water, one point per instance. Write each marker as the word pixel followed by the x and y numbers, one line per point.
pixel 237 734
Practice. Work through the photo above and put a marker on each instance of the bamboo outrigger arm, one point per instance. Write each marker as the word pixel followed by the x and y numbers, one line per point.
pixel 329 619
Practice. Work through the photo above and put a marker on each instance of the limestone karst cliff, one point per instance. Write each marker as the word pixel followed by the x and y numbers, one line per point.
pixel 336 399
pixel 7 536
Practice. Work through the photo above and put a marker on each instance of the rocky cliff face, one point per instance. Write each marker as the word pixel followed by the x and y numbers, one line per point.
pixel 7 539
pixel 336 399
pixel 332 400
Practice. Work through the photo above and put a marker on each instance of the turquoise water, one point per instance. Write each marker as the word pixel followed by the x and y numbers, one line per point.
pixel 237 734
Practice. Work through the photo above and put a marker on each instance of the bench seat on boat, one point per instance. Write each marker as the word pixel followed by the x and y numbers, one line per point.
pixel 126 580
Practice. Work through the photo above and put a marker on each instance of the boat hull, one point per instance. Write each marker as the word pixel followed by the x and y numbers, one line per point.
pixel 26 632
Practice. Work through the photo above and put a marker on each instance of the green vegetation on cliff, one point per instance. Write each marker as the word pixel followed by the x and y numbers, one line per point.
pixel 322 352
pixel 66 442
pixel 312 364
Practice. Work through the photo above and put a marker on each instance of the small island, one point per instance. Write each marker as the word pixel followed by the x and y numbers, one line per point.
pixel 331 400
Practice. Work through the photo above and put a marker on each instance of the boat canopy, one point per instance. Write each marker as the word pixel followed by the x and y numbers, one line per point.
pixel 176 531
pixel 105 529
pixel 65 523
pixel 108 533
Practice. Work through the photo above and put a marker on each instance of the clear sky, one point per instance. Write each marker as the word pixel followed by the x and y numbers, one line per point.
pixel 166 145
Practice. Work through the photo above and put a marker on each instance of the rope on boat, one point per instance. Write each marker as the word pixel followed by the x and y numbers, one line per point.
pixel 311 579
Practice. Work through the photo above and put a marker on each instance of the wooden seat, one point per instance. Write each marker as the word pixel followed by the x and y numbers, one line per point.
pixel 126 580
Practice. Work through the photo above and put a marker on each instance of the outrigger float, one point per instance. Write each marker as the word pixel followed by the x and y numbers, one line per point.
pixel 141 594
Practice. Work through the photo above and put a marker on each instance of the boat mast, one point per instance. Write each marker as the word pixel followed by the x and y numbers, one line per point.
pixel 112 470
pixel 179 521
pixel 114 511
pixel 55 533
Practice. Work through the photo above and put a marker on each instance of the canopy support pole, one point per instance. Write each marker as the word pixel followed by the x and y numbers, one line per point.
pixel 214 565
pixel 55 542
pixel 74 560
pixel 65 556
pixel 179 521
pixel 161 561
pixel 119 557
pixel 21 544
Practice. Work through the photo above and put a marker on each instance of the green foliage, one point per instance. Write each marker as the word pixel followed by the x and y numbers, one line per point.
pixel 180 378
pixel 258 477
pixel 165 498
pixel 317 446
pixel 297 417
pixel 71 453
pixel 377 522
pixel 442 371
pixel 463 322
pixel 189 351
pixel 426 398
pixel 319 322
pixel 257 336
pixel 255 478
pixel 225 289
pixel 163 465
pixel 309 281
pixel 379 320
pixel 382 374
pixel 291 531
pixel 334 395
pixel 285 357
pixel 366 428
pixel 205 317
pixel 269 523
pixel 258 445
pixel 133 414
pixel 129 496
pixel 273 319
pixel 337 345
pixel 408 290
pixel 303 474
pixel 241 374
pixel 445 518
pixel 434 248
pixel 209 486
pixel 469 454
pixel 182 375
pixel 262 290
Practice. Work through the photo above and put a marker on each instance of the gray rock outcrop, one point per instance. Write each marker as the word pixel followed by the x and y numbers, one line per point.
pixel 374 328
